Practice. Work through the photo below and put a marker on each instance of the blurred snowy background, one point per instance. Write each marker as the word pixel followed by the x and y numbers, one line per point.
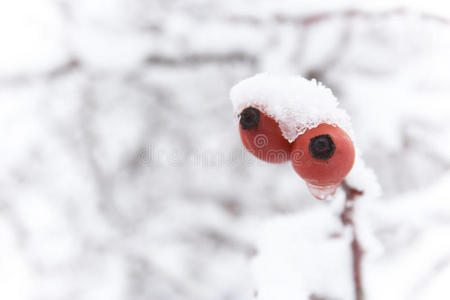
pixel 123 176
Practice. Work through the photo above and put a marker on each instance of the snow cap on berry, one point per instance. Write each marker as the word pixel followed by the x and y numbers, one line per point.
pixel 295 103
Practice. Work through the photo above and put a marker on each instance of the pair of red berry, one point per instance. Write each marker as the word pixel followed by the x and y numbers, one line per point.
pixel 322 155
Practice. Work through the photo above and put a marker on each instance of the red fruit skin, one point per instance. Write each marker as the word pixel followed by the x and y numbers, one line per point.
pixel 265 141
pixel 323 172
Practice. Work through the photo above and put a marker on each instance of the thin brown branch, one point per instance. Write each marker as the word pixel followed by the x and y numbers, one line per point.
pixel 351 194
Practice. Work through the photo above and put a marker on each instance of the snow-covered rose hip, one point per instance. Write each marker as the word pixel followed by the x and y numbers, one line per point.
pixel 290 114
pixel 262 137
pixel 323 156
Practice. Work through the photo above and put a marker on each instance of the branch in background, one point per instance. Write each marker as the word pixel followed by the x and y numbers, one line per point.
pixel 306 20
pixel 71 65
pixel 200 59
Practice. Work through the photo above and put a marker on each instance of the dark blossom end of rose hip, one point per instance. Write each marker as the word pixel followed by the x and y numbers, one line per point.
pixel 322 147
pixel 249 118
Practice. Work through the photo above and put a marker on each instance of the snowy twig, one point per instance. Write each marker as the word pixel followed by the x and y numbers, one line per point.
pixel 351 194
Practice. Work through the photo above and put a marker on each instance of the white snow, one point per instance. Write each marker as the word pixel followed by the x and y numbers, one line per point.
pixel 297 104
pixel 363 178
pixel 405 242
pixel 83 216
pixel 413 256
pixel 304 254
pixel 31 37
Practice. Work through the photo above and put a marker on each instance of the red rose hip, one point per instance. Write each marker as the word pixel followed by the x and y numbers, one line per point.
pixel 262 137
pixel 323 156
